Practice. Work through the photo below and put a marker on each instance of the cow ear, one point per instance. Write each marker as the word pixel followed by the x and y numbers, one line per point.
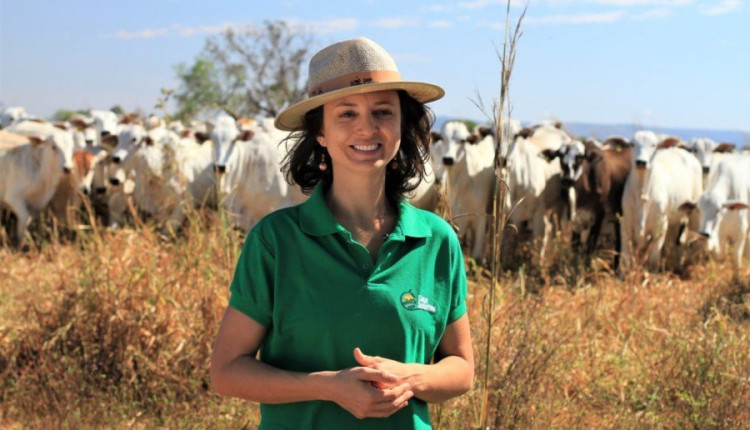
pixel 725 147
pixel 36 140
pixel 246 135
pixel 525 133
pixel 185 133
pixel 484 131
pixel 473 139
pixel 109 140
pixel 550 155
pixel 148 141
pixel 735 205
pixel 670 142
pixel 688 206
pixel 435 136
pixel 201 136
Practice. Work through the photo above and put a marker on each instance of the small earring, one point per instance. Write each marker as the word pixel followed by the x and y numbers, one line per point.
pixel 322 166
pixel 394 164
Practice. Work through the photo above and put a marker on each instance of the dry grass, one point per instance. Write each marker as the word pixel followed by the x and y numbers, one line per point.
pixel 114 330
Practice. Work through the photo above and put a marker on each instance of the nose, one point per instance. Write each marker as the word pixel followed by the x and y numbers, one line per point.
pixel 640 164
pixel 448 161
pixel 116 160
pixel 220 168
pixel 705 234
pixel 66 170
pixel 101 190
pixel 705 170
pixel 568 182
pixel 114 181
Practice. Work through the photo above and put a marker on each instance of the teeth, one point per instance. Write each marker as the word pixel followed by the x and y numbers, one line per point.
pixel 366 148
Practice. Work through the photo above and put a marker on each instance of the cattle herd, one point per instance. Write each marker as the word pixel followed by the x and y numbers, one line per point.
pixel 654 192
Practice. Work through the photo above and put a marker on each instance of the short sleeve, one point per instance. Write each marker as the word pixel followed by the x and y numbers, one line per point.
pixel 457 280
pixel 252 285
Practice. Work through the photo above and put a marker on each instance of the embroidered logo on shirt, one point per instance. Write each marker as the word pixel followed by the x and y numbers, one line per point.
pixel 411 302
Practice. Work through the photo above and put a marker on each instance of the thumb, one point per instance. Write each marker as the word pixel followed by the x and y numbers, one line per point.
pixel 362 358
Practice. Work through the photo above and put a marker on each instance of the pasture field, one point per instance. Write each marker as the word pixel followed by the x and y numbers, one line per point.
pixel 114 330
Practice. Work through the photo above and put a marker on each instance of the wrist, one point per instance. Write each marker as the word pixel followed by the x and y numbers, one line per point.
pixel 322 383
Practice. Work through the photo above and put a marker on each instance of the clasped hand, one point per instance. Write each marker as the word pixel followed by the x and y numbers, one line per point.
pixel 375 389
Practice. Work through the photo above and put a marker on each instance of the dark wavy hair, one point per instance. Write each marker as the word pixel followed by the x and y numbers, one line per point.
pixel 300 166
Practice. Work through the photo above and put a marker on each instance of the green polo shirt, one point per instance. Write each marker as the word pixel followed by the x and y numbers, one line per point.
pixel 320 295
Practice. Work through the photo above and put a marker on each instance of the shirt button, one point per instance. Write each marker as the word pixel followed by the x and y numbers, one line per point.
pixel 365 266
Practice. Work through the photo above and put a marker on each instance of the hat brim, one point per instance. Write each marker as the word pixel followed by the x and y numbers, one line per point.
pixel 291 118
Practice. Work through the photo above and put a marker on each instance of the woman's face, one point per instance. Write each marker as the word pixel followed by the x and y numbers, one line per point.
pixel 362 132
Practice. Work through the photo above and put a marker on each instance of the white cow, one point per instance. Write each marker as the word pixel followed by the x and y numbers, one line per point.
pixel 534 185
pixel 468 164
pixel 30 174
pixel 171 174
pixel 724 207
pixel 654 202
pixel 249 165
pixel 12 115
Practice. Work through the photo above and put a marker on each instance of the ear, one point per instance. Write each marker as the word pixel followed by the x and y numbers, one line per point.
pixel 473 139
pixel 435 136
pixel 321 140
pixel 550 155
pixel 670 142
pixel 61 126
pixel 735 205
pixel 201 136
pixel 246 135
pixel 525 133
pixel 109 139
pixel 185 133
pixel 688 206
pixel 725 147
pixel 36 140
pixel 484 131
pixel 147 141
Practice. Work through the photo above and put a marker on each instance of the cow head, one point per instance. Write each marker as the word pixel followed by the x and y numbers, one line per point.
pixel 702 148
pixel 455 137
pixel 225 134
pixel 644 144
pixel 715 214
pixel 129 137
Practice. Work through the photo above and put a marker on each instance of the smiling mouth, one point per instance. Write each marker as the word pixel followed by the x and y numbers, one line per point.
pixel 366 148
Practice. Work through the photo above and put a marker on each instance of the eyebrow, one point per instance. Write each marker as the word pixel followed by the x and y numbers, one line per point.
pixel 349 104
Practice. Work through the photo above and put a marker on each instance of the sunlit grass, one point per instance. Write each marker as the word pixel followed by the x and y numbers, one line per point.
pixel 115 331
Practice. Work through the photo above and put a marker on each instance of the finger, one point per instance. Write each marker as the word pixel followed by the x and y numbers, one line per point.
pixel 362 358
pixel 391 394
pixel 374 375
pixel 394 405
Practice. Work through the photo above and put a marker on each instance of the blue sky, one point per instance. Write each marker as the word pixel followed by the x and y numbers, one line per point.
pixel 661 63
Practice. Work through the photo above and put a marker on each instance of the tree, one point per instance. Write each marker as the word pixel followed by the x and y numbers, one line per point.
pixel 246 72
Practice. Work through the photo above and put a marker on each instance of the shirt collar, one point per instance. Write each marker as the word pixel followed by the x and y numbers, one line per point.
pixel 317 220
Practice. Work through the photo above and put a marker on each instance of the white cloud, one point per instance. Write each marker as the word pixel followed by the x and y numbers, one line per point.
pixel 438 8
pixel 333 25
pixel 653 14
pixel 395 22
pixel 726 6
pixel 576 19
pixel 138 34
pixel 441 24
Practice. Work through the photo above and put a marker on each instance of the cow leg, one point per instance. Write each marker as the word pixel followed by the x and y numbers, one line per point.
pixel 657 244
pixel 18 207
pixel 618 241
pixel 594 233
pixel 479 238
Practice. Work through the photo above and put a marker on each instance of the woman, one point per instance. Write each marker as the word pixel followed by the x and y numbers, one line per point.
pixel 355 299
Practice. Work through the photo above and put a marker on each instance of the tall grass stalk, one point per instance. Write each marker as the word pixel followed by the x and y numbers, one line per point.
pixel 500 211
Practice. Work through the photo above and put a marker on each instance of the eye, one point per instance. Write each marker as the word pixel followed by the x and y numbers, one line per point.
pixel 383 112
pixel 348 114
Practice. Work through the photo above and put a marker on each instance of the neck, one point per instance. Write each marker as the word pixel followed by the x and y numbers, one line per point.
pixel 359 200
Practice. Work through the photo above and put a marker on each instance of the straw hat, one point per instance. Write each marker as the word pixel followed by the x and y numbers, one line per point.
pixel 355 66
